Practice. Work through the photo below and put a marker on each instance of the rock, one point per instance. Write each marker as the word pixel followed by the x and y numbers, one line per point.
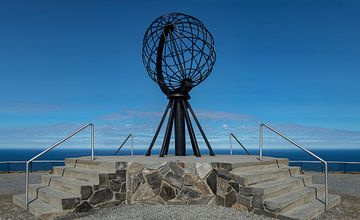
pixel 238 179
pixel 235 186
pixel 134 168
pixel 187 193
pixel 230 199
pixel 225 174
pixel 177 170
pixel 123 187
pixel 121 165
pixel 101 196
pixel 190 168
pixel 221 186
pixel 176 202
pixel 157 201
pixel 239 207
pixel 143 193
pixel 154 179
pixel 120 196
pixel 121 174
pixel 115 185
pixel 86 192
pixel 174 180
pixel 189 179
pixel 247 191
pixel 245 200
pixel 219 200
pixel 84 206
pixel 202 188
pixel 203 200
pixel 211 181
pixel 135 183
pixel 167 192
pixel 203 169
pixel 155 165
pixel 164 169
pixel 257 201
pixel 226 166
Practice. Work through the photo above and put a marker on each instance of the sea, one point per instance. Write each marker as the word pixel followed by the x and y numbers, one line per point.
pixel 18 154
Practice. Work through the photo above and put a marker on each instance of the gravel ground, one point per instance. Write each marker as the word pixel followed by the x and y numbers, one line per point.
pixel 179 212
pixel 346 185
pixel 10 184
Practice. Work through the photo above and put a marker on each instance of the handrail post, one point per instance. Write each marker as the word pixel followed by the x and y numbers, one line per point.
pixel 326 186
pixel 132 145
pixel 260 141
pixel 230 143
pixel 92 141
pixel 8 167
pixel 27 186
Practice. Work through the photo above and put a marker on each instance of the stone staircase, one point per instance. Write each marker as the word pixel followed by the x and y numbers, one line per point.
pixel 268 187
pixel 78 186
pixel 280 191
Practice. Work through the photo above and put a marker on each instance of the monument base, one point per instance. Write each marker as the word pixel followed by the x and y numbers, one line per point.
pixel 269 187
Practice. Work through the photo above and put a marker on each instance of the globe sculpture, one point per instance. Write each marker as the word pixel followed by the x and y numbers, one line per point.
pixel 178 53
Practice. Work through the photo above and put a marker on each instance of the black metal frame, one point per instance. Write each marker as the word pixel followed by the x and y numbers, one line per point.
pixel 178 116
pixel 178 53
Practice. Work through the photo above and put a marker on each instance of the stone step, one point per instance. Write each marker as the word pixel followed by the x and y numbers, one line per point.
pixel 306 178
pixel 58 170
pixel 259 176
pixel 94 177
pixel 79 188
pixel 107 167
pixel 287 201
pixel 274 188
pixel 37 207
pixel 319 189
pixel 260 165
pixel 55 198
pixel 310 210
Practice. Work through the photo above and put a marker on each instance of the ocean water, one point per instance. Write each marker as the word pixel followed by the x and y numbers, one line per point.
pixel 292 154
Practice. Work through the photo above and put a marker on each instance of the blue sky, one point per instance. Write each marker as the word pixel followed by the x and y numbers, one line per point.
pixel 294 64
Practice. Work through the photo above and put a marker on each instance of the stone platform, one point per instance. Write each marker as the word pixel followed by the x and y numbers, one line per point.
pixel 268 187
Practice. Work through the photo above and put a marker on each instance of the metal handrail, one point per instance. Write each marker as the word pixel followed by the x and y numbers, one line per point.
pixel 52 147
pixel 123 143
pixel 230 142
pixel 299 146
pixel 328 162
pixel 24 161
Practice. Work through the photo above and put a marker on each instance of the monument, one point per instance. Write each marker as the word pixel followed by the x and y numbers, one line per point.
pixel 178 53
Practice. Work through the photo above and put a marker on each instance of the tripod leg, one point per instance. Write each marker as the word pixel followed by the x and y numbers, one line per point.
pixel 200 128
pixel 194 143
pixel 148 152
pixel 168 139
pixel 167 135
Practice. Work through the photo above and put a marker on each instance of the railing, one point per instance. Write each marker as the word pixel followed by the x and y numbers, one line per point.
pixel 299 146
pixel 23 161
pixel 230 142
pixel 345 163
pixel 123 143
pixel 52 147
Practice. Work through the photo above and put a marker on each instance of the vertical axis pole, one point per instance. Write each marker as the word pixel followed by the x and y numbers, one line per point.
pixel 132 145
pixel 200 128
pixel 180 144
pixel 27 186
pixel 326 186
pixel 230 143
pixel 194 143
pixel 261 141
pixel 8 167
pixel 92 141
pixel 168 130
pixel 148 152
